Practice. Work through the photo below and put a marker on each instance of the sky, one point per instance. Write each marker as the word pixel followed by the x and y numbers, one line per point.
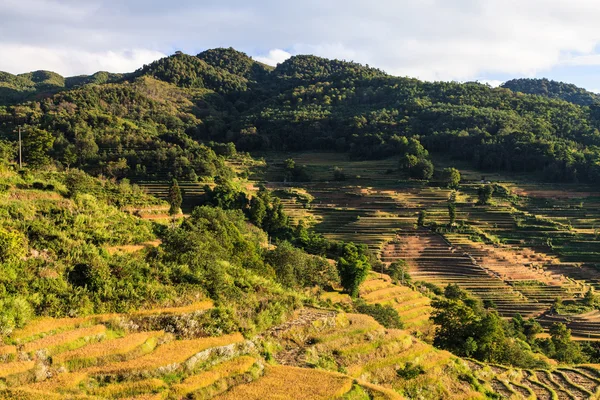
pixel 462 40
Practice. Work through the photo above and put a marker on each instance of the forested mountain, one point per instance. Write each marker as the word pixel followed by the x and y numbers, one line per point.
pixel 553 89
pixel 162 110
pixel 17 88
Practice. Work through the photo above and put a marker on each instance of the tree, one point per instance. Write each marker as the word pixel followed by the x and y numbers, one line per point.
pixel 452 212
pixel 257 211
pixel 421 218
pixel 36 147
pixel 590 299
pixel 485 193
pixel 353 267
pixel 422 170
pixel 451 177
pixel 398 271
pixel 12 246
pixel 565 349
pixel 7 152
pixel 454 292
pixel 338 174
pixel 175 198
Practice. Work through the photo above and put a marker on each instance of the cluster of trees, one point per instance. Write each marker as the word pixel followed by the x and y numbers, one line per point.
pixel 140 124
pixel 467 328
pixel 266 212
pixel 118 130
pixel 553 89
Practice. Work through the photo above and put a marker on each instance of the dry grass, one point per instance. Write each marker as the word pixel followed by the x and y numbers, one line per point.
pixel 46 325
pixel 228 368
pixel 282 382
pixel 61 339
pixel 175 352
pixel 114 347
pixel 15 367
pixel 118 390
pixel 64 381
pixel 198 306
pixel 132 248
pixel 158 396
pixel 7 350
pixel 379 392
pixel 337 297
pixel 23 393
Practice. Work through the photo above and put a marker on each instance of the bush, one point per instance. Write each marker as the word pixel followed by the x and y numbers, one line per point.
pixel 385 315
pixel 410 371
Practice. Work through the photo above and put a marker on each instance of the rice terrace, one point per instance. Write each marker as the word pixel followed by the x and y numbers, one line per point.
pixel 272 225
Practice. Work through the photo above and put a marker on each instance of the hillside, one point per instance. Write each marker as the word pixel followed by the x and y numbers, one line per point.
pixel 553 89
pixel 382 238
pixel 311 103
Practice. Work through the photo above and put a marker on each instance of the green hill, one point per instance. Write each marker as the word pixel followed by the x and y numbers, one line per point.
pixel 553 89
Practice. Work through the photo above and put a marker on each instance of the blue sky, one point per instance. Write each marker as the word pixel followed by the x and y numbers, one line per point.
pixel 462 40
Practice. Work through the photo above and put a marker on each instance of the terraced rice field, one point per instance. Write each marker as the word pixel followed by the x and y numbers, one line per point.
pixel 432 259
pixel 412 306
pixel 560 383
pixel 522 276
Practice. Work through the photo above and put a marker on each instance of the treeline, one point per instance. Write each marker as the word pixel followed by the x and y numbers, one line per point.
pixel 309 103
pixel 469 328
pixel 553 89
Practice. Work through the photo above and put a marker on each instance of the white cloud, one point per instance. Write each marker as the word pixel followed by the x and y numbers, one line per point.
pixel 582 60
pixel 429 39
pixel 70 62
pixel 491 82
pixel 275 56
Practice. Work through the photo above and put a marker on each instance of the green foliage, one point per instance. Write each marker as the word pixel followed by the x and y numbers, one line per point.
pixel 452 212
pixel 450 177
pixel 553 89
pixel 338 174
pixel 353 267
pixel 296 269
pixel 466 329
pixel 421 218
pixel 36 147
pixel 484 194
pixel 398 271
pixel 386 315
pixel 295 173
pixel 410 371
pixel 16 311
pixel 12 246
pixel 174 197
pixel 561 347
pixel 304 103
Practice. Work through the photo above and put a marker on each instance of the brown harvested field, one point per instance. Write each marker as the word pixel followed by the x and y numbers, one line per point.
pixel 46 325
pixel 204 379
pixel 282 382
pixel 172 353
pixel 7 350
pixel 120 390
pixel 15 367
pixel 107 348
pixel 552 193
pixel 64 338
pixel 64 381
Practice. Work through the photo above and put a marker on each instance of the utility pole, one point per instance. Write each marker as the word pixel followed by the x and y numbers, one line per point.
pixel 20 150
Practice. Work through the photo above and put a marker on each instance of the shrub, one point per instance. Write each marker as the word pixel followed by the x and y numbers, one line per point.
pixel 410 371
pixel 385 315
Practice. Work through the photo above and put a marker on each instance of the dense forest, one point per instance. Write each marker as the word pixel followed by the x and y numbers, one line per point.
pixel 133 125
pixel 553 89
